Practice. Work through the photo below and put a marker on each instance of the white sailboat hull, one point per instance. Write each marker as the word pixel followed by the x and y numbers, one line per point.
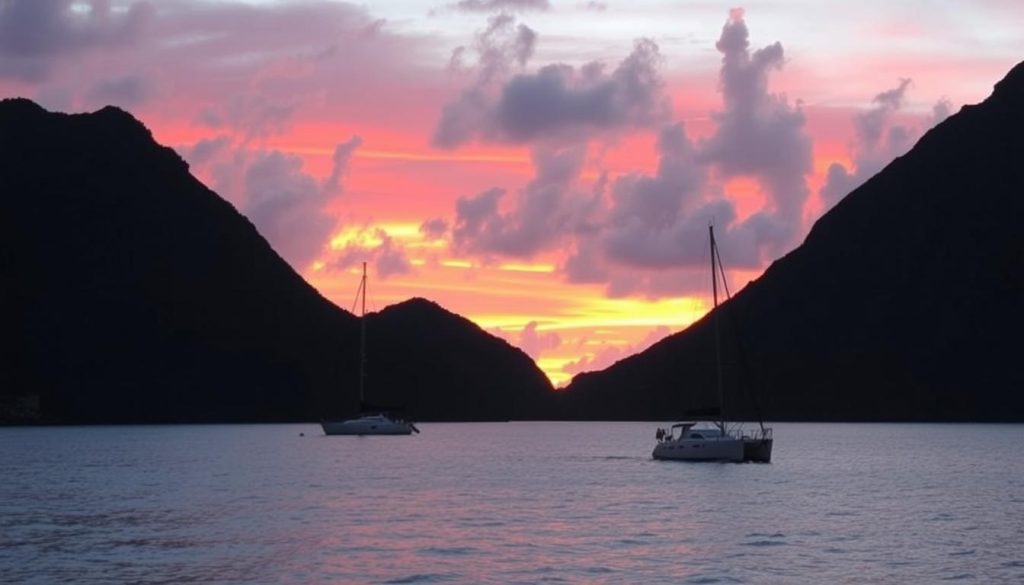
pixel 368 425
pixel 706 449
pixel 689 441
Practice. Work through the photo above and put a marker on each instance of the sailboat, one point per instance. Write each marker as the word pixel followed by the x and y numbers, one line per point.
pixel 368 423
pixel 713 440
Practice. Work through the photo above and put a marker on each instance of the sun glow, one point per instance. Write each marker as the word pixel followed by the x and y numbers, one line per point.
pixel 581 324
pixel 514 267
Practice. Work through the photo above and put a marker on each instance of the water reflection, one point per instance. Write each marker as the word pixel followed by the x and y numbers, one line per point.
pixel 505 503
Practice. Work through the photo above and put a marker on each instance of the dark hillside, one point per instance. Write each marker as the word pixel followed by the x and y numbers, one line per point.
pixel 506 385
pixel 129 292
pixel 905 302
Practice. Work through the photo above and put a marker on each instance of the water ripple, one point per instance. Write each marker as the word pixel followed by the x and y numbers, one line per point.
pixel 507 503
pixel 421 578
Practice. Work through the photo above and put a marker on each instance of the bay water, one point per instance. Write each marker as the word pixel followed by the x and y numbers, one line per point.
pixel 520 502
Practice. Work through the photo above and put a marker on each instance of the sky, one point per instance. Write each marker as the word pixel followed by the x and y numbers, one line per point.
pixel 546 169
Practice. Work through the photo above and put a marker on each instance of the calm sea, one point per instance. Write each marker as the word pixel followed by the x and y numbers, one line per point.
pixel 508 503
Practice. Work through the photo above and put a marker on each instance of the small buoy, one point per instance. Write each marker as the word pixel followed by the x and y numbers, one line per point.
pixel 302 434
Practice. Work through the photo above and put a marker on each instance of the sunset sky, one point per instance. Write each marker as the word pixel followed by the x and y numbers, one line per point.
pixel 547 169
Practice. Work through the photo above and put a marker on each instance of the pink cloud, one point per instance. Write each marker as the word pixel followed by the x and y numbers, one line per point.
pixel 878 139
pixel 387 257
pixel 35 35
pixel 760 134
pixel 633 222
pixel 249 69
pixel 607 355
pixel 288 206
pixel 539 218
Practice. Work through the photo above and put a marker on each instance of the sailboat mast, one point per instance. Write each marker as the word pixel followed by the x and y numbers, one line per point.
pixel 714 318
pixel 362 339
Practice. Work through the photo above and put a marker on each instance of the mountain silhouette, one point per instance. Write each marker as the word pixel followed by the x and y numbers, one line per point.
pixel 395 342
pixel 130 292
pixel 905 301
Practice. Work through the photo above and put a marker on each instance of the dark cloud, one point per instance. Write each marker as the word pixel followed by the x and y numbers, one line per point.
pixel 644 233
pixel 502 45
pixel 759 134
pixel 342 155
pixel 56 98
pixel 256 116
pixel 870 124
pixel 390 260
pixel 838 182
pixel 286 204
pixel 462 118
pixel 660 221
pixel 652 217
pixel 584 264
pixel 233 64
pixel 126 91
pixel 941 110
pixel 877 141
pixel 473 214
pixel 557 101
pixel 32 70
pixel 434 229
pixel 386 256
pixel 540 215
pixel 496 5
pixel 34 33
pixel 202 152
pixel 499 48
